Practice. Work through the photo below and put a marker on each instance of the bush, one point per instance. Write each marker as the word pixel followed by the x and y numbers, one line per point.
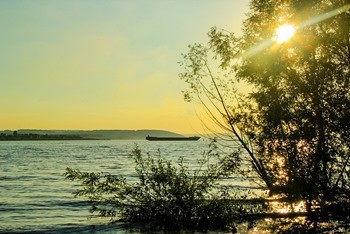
pixel 166 196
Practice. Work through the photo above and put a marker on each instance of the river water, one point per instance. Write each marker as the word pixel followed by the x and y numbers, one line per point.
pixel 36 198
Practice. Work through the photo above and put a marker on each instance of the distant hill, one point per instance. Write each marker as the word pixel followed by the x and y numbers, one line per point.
pixel 99 134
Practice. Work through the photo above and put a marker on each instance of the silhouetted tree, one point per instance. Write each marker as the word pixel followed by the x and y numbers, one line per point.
pixel 294 120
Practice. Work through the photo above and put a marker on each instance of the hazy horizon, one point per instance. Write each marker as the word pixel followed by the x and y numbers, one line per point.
pixel 97 129
pixel 103 65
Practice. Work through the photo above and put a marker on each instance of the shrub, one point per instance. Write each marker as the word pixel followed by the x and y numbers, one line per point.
pixel 166 196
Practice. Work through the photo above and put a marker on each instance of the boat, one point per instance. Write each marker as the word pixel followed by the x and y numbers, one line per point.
pixel 153 138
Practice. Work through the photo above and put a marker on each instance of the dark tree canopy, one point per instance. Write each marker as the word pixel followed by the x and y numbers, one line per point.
pixel 294 123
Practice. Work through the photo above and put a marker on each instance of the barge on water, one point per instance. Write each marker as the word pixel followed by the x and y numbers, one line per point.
pixel 153 138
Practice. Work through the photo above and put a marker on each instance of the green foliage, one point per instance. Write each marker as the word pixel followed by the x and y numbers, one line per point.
pixel 294 121
pixel 167 196
pixel 302 97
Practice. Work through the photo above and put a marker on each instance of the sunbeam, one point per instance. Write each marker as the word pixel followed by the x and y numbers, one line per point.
pixel 279 39
pixel 324 16
pixel 284 33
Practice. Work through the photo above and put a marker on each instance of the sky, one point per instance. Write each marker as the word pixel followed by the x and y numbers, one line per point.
pixel 109 64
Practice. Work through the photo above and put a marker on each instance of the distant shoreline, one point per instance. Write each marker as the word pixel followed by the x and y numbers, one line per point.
pixel 38 135
pixel 15 136
pixel 84 139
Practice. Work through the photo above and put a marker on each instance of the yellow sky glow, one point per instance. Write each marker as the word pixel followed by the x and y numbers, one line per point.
pixel 102 65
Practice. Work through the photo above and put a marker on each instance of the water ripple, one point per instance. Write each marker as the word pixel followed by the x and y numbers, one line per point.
pixel 35 197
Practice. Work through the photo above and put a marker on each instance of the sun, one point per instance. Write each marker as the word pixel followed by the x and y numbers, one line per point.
pixel 284 33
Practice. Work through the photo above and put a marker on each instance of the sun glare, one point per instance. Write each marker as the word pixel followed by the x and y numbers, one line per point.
pixel 284 33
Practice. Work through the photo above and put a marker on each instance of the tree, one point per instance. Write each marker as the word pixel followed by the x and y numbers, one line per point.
pixel 294 123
